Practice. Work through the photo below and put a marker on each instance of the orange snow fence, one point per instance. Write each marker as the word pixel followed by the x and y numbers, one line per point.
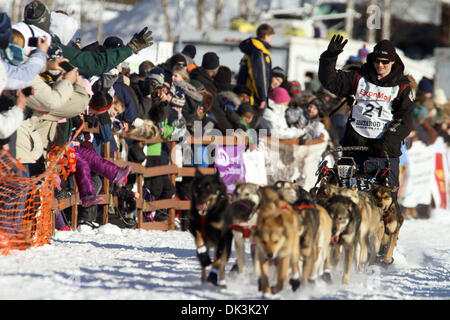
pixel 25 206
pixel 26 203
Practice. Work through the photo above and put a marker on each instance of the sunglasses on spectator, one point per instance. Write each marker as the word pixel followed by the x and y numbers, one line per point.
pixel 377 61
pixel 181 64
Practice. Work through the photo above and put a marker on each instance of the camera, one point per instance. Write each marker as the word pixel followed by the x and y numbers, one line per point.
pixel 33 42
pixel 28 91
pixel 66 66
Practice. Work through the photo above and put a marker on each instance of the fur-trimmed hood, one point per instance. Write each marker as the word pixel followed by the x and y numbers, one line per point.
pixel 230 96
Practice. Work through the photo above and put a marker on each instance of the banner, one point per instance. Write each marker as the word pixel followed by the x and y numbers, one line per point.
pixel 228 160
pixel 440 188
pixel 255 167
pixel 420 172
pixel 290 162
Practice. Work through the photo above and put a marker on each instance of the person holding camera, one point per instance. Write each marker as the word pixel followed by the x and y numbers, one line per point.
pixel 20 65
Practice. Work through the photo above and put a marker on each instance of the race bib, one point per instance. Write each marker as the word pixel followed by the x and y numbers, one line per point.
pixel 372 112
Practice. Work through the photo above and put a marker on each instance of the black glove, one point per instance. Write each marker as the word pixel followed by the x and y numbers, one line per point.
pixel 336 44
pixel 141 40
pixel 203 256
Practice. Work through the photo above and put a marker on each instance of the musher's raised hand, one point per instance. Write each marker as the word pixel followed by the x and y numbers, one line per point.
pixel 337 44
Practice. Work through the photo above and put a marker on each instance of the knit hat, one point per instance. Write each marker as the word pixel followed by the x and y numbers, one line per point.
pixel 278 73
pixel 112 43
pixel 223 75
pixel 295 88
pixel 37 13
pixel 190 51
pixel 210 61
pixel 177 58
pixel 178 97
pixel 245 107
pixel 280 95
pixel 5 30
pixel 385 49
pixel 156 76
pixel 239 89
pixel 101 101
pixel 425 85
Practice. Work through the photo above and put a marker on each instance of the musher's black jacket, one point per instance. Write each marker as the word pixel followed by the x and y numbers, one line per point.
pixel 342 84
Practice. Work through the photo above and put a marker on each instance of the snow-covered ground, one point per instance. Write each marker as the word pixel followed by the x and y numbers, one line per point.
pixel 124 264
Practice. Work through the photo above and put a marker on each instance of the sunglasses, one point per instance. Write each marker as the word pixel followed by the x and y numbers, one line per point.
pixel 377 61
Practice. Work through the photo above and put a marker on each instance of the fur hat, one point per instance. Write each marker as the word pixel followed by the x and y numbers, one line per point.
pixel 280 95
pixel 210 61
pixel 147 129
pixel 37 13
pixel 5 30
pixel 101 101
pixel 190 51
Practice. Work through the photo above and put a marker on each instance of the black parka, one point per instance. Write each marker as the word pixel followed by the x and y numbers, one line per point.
pixel 343 84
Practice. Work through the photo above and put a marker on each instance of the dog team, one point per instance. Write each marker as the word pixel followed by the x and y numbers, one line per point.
pixel 301 234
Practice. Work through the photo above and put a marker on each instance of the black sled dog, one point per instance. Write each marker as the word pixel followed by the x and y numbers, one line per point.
pixel 210 218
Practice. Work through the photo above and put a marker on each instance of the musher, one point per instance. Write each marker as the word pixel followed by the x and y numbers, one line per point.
pixel 382 114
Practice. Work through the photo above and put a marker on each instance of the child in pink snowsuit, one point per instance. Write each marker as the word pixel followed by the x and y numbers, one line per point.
pixel 88 160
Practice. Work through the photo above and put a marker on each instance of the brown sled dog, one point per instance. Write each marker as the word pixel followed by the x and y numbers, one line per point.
pixel 245 204
pixel 371 228
pixel 276 237
pixel 346 219
pixel 314 229
pixel 392 219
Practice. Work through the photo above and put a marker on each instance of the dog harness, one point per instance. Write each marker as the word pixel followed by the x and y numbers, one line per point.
pixel 388 214
pixel 246 229
pixel 304 206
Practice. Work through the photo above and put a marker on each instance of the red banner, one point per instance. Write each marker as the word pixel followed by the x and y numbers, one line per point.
pixel 439 174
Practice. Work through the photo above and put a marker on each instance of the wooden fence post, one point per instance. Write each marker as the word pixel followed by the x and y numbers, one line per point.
pixel 106 186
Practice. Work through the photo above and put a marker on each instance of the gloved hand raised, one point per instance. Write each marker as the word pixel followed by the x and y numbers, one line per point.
pixel 141 40
pixel 336 44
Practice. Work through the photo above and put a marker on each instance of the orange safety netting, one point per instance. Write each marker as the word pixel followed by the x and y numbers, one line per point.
pixel 25 206
pixel 26 203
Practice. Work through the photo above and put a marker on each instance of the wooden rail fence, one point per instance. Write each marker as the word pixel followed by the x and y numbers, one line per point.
pixel 142 172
